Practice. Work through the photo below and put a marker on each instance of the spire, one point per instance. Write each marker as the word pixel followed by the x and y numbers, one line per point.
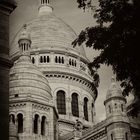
pixel 45 7
pixel 24 41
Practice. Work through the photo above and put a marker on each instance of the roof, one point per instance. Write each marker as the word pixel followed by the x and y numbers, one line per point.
pixel 48 31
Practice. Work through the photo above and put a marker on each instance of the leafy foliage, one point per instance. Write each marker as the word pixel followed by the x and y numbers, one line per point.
pixel 117 37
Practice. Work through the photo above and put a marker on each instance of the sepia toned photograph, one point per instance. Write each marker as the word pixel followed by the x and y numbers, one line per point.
pixel 69 70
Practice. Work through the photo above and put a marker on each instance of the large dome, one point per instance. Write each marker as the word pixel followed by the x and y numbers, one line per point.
pixel 27 82
pixel 48 31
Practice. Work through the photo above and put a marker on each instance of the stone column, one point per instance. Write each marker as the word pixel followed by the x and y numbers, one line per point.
pixel 81 109
pixel 37 59
pixel 68 105
pixel 52 59
pixel 6 7
pixel 39 126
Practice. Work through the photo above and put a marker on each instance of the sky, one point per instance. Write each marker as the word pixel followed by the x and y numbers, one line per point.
pixel 78 19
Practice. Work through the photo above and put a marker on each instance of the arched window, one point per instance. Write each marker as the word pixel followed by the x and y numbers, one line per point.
pixel 45 59
pixel 59 59
pixel 41 59
pixel 56 61
pixel 61 103
pixel 115 106
pixel 43 121
pixel 20 123
pixel 70 61
pixel 86 108
pixel 75 63
pixel 62 60
pixel 74 105
pixel 92 112
pixel 126 136
pixel 122 107
pixel 36 119
pixel 48 59
pixel 33 60
pixel 109 107
pixel 111 136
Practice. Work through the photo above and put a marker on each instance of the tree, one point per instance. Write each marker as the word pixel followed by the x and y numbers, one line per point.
pixel 117 37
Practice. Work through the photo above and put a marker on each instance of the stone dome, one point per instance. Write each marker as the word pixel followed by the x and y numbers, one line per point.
pixel 114 90
pixel 48 31
pixel 27 82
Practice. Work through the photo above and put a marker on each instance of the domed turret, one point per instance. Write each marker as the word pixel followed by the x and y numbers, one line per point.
pixel 114 90
pixel 26 81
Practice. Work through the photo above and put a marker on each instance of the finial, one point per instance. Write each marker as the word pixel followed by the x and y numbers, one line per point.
pixel 45 7
pixel 24 40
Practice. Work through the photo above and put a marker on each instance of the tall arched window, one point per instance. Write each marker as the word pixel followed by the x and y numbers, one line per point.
pixel 33 60
pixel 59 59
pixel 126 136
pixel 69 61
pixel 74 105
pixel 20 123
pixel 41 59
pixel 86 108
pixel 43 125
pixel 122 107
pixel 45 59
pixel 56 60
pixel 62 60
pixel 36 119
pixel 109 107
pixel 92 112
pixel 48 59
pixel 111 136
pixel 61 103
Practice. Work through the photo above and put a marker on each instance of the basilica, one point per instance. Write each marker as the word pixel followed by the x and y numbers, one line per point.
pixel 51 89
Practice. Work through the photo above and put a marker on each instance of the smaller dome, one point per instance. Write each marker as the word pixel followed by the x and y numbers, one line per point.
pixel 28 82
pixel 24 35
pixel 114 90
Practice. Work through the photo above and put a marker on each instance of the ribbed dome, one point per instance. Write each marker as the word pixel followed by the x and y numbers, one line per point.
pixel 114 90
pixel 49 31
pixel 27 82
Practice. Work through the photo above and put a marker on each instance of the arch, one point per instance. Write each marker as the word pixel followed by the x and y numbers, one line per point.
pixel 56 60
pixel 36 120
pixel 33 60
pixel 43 125
pixel 41 59
pixel 48 59
pixel 45 59
pixel 74 105
pixel 12 118
pixel 20 122
pixel 75 63
pixel 109 108
pixel 122 108
pixel 86 108
pixel 126 136
pixel 62 60
pixel 61 102
pixel 70 61
pixel 92 115
pixel 59 59
pixel 111 136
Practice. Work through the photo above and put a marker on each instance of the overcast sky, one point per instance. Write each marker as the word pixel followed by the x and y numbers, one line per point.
pixel 66 10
